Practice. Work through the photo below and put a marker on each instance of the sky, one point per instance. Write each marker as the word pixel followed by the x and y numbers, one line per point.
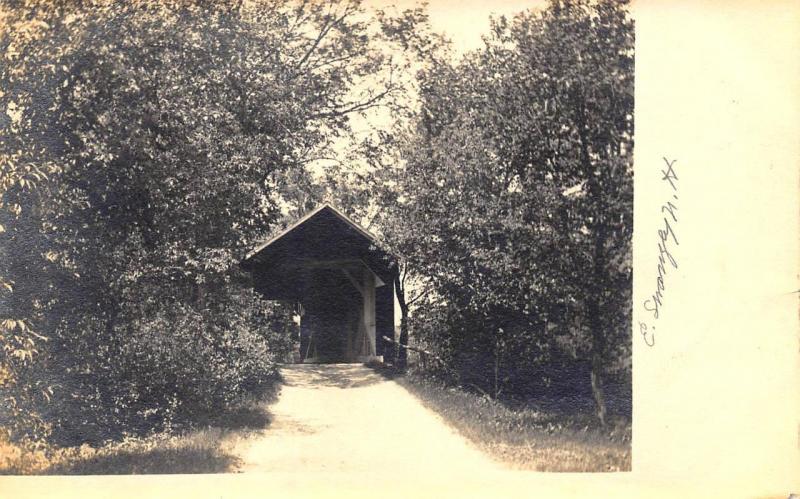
pixel 463 21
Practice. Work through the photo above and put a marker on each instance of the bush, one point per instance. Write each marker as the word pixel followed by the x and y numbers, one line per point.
pixel 173 367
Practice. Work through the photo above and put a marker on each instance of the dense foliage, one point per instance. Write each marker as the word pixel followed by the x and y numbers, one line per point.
pixel 145 147
pixel 510 200
pixel 170 133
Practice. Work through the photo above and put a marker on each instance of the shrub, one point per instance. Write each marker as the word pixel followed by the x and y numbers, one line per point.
pixel 171 367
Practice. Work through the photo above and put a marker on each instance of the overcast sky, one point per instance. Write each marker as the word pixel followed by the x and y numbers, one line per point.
pixel 464 21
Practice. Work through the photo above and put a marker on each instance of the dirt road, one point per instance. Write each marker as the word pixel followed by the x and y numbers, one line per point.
pixel 348 418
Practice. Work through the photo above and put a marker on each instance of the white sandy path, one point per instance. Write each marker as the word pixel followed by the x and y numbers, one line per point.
pixel 348 418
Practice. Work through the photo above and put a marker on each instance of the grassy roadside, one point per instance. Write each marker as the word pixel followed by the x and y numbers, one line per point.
pixel 206 450
pixel 201 451
pixel 527 439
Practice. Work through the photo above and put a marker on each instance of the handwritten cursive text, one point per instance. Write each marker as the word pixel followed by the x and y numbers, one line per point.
pixel 667 240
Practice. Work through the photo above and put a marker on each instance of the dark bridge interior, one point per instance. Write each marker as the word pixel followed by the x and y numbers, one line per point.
pixel 342 280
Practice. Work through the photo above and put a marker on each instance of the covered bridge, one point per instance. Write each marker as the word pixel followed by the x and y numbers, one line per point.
pixel 342 280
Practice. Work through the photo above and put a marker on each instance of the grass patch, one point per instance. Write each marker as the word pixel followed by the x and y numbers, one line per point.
pixel 207 450
pixel 199 452
pixel 526 438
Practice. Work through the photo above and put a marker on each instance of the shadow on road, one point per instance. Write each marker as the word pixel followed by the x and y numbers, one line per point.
pixel 329 375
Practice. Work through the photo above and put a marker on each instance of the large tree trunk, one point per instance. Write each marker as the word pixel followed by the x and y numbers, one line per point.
pixel 401 353
pixel 596 290
pixel 496 384
pixel 598 344
pixel 402 358
pixel 596 287
pixel 595 319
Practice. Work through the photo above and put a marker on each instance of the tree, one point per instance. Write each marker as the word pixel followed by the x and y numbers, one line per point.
pixel 516 192
pixel 19 341
pixel 24 175
pixel 356 178
pixel 586 93
pixel 176 126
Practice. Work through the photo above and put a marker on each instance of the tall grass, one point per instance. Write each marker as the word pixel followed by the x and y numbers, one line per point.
pixel 526 438
pixel 206 450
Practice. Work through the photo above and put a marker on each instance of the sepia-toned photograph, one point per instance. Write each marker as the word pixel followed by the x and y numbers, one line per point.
pixel 316 236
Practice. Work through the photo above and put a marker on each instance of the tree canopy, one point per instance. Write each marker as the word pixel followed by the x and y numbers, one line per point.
pixel 510 195
pixel 145 147
pixel 176 129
